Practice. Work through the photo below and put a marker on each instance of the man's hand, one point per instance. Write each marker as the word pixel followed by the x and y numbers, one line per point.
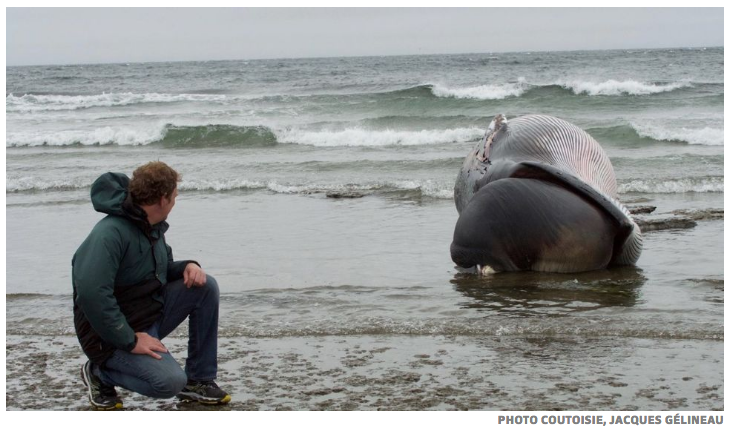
pixel 194 275
pixel 147 344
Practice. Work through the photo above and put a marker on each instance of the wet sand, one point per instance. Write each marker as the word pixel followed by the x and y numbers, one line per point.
pixel 407 373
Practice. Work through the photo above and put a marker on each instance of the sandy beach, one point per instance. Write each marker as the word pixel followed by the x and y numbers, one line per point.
pixel 406 373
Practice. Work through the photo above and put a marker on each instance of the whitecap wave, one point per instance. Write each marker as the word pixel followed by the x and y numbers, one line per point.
pixel 428 188
pixel 146 134
pixel 99 136
pixel 33 103
pixel 220 185
pixel 482 92
pixel 18 184
pixel 672 186
pixel 700 136
pixel 362 137
pixel 618 88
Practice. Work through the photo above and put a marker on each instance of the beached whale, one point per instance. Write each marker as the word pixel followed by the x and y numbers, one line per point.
pixel 538 193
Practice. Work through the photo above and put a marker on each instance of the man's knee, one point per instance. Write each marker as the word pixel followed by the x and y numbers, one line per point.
pixel 212 286
pixel 169 384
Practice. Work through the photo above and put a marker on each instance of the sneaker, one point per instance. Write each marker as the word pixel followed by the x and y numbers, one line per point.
pixel 102 397
pixel 205 392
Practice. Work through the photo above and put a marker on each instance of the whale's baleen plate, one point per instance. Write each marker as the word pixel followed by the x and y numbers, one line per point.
pixel 539 193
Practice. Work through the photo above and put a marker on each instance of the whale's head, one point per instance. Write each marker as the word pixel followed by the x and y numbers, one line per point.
pixel 476 164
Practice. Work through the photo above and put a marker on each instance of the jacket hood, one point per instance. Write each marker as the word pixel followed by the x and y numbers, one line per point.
pixel 109 192
pixel 110 195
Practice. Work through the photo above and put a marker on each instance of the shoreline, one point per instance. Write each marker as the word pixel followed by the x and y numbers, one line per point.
pixel 406 373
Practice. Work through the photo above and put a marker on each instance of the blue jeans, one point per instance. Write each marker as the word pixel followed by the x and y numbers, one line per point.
pixel 165 378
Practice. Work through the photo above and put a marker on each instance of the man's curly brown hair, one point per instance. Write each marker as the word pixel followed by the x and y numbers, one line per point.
pixel 152 181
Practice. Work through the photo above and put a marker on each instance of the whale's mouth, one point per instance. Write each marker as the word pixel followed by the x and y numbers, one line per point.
pixel 483 154
pixel 478 269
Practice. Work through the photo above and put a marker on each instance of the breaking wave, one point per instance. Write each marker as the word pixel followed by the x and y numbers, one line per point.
pixel 577 87
pixel 53 102
pixel 98 136
pixel 619 88
pixel 646 133
pixel 482 92
pixel 224 135
pixel 361 137
pixel 673 186
pixel 703 136
pixel 424 188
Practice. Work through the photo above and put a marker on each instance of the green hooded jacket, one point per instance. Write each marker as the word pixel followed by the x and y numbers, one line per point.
pixel 119 271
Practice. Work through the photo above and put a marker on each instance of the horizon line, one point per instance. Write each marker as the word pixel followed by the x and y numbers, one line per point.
pixel 360 56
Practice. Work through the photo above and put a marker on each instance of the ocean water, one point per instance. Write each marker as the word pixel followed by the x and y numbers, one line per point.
pixel 262 146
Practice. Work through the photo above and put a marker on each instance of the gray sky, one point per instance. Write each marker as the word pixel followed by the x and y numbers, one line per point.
pixel 104 35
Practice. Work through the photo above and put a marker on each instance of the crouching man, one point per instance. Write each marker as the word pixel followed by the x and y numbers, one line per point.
pixel 129 294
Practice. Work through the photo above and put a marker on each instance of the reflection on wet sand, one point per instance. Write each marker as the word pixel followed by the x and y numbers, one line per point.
pixel 553 294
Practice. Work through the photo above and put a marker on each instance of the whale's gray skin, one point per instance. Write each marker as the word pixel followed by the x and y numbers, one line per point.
pixel 538 193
